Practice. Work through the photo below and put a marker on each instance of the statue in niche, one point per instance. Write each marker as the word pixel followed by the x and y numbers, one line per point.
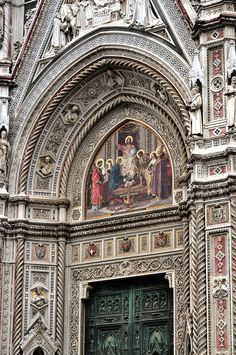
pixel 195 112
pixel 72 114
pixel 114 79
pixel 231 103
pixel 46 166
pixel 4 155
pixel 143 15
pixel 39 297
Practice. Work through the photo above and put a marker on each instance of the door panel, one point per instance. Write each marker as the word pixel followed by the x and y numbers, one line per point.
pixel 130 317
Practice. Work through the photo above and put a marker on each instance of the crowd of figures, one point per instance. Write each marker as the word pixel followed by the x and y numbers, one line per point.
pixel 135 177
pixel 76 16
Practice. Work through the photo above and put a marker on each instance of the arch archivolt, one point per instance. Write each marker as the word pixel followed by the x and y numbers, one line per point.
pixel 44 108
pixel 136 91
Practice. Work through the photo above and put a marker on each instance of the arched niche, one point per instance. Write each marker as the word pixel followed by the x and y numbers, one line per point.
pixel 157 121
pixel 131 171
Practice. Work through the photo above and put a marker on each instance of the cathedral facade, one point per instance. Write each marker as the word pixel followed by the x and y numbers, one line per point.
pixel 117 177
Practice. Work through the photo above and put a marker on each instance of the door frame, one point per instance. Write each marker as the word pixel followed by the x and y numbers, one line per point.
pixel 82 284
pixel 132 286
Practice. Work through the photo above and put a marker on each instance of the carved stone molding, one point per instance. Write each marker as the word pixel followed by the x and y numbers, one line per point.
pixel 170 277
pixel 132 267
pixel 85 289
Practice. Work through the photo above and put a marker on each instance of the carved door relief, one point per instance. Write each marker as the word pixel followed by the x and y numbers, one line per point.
pixel 130 317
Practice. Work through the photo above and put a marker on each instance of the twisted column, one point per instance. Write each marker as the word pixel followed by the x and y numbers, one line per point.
pixel 201 283
pixel 186 253
pixel 17 332
pixel 193 276
pixel 60 296
pixel 233 222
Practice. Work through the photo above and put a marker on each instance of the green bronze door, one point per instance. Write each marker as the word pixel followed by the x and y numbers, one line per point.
pixel 133 317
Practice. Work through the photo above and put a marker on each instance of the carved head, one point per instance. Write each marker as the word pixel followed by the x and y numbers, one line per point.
pixel 47 160
pixel 74 108
pixel 195 90
pixel 4 135
pixel 233 81
pixel 38 290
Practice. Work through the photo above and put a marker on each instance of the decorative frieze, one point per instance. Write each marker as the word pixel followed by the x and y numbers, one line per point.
pixel 126 246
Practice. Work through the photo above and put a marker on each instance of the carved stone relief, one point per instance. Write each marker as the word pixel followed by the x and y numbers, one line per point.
pixel 77 17
pixel 126 245
pixel 89 94
pixel 218 213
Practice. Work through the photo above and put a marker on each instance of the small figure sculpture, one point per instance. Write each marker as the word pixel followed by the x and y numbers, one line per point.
pixel 220 287
pixel 72 115
pixel 39 299
pixel 46 167
pixel 114 79
pixel 65 26
pixel 195 112
pixel 159 92
pixel 189 331
pixel 231 103
pixel 143 15
pixel 4 155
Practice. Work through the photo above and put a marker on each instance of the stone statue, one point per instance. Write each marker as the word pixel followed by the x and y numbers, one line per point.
pixel 68 13
pixel 231 103
pixel 72 115
pixel 159 92
pixel 46 167
pixel 65 26
pixel 143 15
pixel 114 79
pixel 4 155
pixel 195 112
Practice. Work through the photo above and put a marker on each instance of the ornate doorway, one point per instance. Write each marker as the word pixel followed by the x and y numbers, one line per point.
pixel 130 317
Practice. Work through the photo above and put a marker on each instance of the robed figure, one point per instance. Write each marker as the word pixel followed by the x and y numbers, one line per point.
pixel 195 112
pixel 97 188
pixel 115 178
pixel 231 103
pixel 143 15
